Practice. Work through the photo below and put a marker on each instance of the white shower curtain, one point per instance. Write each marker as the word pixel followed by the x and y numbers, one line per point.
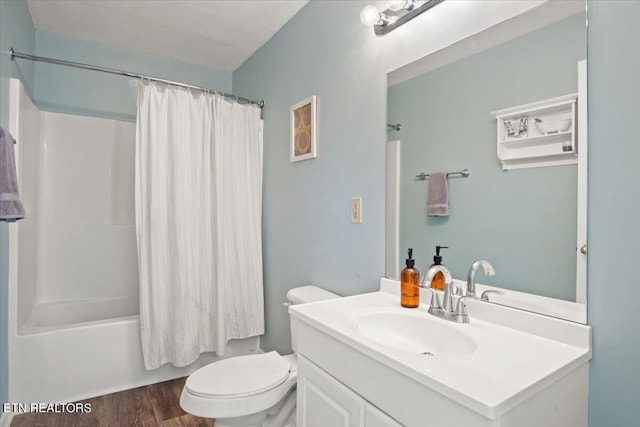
pixel 198 194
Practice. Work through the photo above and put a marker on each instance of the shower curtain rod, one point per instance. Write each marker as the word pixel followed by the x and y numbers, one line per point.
pixel 13 54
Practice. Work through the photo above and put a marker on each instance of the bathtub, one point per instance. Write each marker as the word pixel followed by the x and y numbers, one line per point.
pixel 55 315
pixel 74 328
pixel 64 353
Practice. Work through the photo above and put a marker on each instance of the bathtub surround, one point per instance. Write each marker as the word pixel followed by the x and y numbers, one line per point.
pixel 198 199
pixel 77 245
pixel 16 28
pixel 73 281
pixel 84 93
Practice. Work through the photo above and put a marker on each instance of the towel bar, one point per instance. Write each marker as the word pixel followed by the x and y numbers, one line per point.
pixel 464 173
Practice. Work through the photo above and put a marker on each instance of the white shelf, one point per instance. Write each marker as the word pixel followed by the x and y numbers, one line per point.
pixel 535 148
pixel 549 138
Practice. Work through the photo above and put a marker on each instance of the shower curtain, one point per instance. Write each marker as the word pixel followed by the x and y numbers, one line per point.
pixel 198 200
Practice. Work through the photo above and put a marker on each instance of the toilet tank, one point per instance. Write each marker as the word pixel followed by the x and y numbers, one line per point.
pixel 302 295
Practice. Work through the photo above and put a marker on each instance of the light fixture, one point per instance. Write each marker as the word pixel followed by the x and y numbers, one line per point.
pixel 371 16
pixel 396 5
pixel 397 13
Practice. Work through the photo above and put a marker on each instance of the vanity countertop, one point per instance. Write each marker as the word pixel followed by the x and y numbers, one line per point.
pixel 516 353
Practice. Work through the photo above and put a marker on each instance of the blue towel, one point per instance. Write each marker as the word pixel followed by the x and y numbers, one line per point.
pixel 11 208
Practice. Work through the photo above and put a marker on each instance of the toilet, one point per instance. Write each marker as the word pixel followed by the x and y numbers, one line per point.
pixel 256 390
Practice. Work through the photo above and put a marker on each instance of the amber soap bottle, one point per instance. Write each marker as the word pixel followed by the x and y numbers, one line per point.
pixel 409 283
pixel 438 281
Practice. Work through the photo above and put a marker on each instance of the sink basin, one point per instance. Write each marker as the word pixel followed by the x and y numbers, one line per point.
pixel 417 333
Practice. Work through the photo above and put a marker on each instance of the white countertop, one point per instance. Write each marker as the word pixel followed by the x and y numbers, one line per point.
pixel 518 353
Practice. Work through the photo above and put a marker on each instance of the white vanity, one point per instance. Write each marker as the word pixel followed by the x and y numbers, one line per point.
pixel 366 361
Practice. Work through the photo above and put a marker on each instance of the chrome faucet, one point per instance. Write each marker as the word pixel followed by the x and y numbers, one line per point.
pixel 460 314
pixel 446 310
pixel 471 276
pixel 435 308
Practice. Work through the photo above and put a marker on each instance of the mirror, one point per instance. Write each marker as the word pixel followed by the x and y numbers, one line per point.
pixel 524 221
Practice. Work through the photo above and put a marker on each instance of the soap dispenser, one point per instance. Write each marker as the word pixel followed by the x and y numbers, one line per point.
pixel 409 283
pixel 438 281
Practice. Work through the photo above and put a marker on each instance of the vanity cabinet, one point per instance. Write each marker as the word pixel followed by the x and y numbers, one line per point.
pixel 374 417
pixel 324 401
pixel 527 371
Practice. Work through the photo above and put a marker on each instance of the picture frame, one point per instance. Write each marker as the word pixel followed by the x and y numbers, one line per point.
pixel 304 125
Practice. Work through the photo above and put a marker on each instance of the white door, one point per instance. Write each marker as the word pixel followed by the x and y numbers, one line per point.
pixel 324 401
pixel 374 417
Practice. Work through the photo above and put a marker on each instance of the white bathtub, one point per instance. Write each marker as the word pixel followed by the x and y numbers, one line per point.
pixel 89 357
pixel 53 315
pixel 74 330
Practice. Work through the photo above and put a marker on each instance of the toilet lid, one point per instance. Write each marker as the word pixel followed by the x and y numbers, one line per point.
pixel 239 376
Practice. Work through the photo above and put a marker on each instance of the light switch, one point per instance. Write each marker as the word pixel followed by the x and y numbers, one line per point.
pixel 356 210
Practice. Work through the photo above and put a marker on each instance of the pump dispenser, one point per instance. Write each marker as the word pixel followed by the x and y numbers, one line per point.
pixel 409 283
pixel 438 281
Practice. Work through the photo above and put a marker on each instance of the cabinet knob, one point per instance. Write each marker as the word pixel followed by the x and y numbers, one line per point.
pixel 583 249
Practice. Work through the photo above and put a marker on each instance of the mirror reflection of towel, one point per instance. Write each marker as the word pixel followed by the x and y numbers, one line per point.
pixel 11 208
pixel 438 203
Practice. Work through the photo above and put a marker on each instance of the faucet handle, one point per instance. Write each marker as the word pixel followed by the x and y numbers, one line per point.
pixel 456 289
pixel 485 294
pixel 460 314
pixel 435 307
pixel 450 289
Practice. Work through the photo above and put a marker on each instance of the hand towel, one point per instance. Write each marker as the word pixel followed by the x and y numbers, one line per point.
pixel 438 203
pixel 11 208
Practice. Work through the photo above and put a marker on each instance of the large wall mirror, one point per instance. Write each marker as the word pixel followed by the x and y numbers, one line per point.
pixel 529 222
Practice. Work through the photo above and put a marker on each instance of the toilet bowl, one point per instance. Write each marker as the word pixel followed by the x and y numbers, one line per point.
pixel 256 390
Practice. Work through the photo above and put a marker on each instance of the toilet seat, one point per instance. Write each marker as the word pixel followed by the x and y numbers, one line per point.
pixel 254 390
pixel 240 376
pixel 196 401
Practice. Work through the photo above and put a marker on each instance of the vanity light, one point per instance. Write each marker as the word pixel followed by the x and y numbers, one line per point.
pixel 396 5
pixel 370 15
pixel 397 13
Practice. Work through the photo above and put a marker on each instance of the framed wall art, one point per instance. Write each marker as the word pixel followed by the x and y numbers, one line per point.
pixel 304 130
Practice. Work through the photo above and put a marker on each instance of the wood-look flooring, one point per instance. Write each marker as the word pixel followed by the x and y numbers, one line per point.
pixel 155 405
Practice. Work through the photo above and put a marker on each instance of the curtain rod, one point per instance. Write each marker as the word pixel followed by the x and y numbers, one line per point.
pixel 13 54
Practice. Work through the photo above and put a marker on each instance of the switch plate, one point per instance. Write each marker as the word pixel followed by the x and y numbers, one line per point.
pixel 356 210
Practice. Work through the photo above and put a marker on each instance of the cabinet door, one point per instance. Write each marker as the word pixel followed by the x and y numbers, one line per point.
pixel 374 417
pixel 323 401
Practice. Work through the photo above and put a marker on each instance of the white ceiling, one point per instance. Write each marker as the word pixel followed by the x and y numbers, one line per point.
pixel 220 34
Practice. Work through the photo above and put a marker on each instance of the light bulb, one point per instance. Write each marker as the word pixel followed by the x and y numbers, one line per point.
pixel 395 5
pixel 407 5
pixel 370 15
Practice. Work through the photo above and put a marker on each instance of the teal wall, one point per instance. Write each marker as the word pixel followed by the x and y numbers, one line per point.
pixel 16 29
pixel 307 238
pixel 77 91
pixel 614 212
pixel 447 126
pixel 307 234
